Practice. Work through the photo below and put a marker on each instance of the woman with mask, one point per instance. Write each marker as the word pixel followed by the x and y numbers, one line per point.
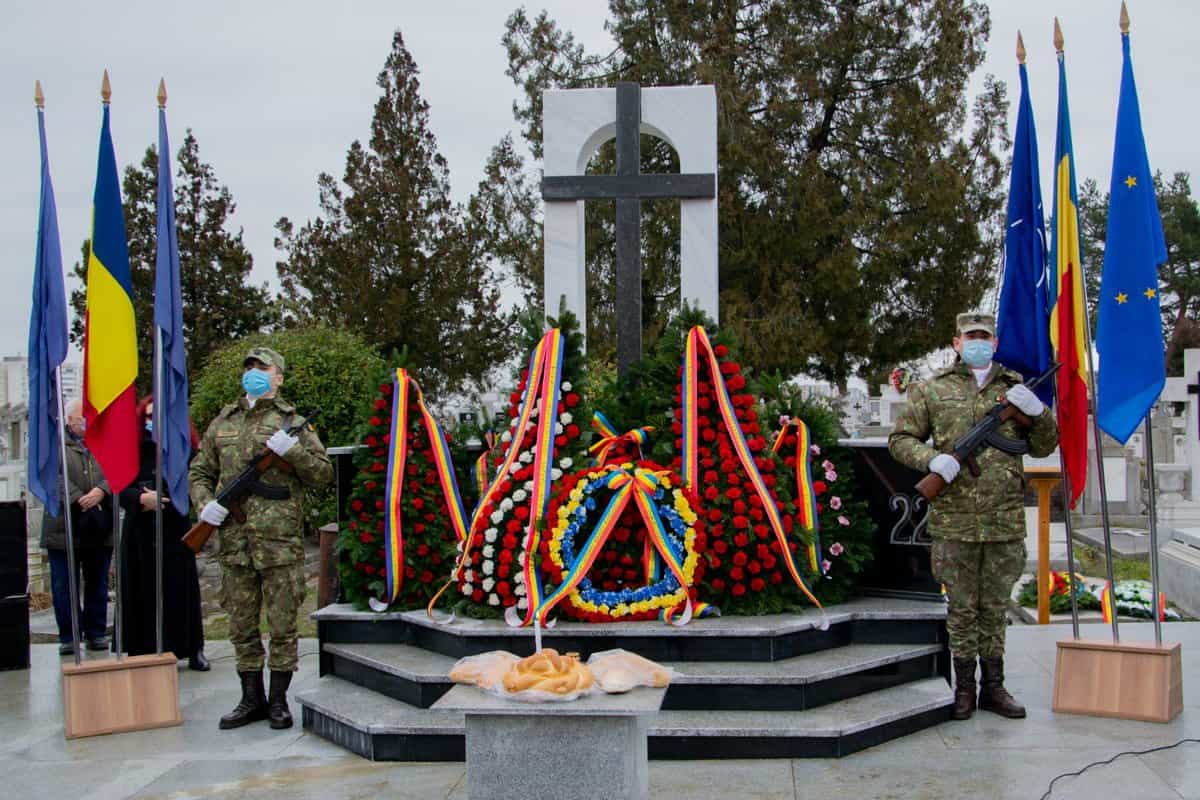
pixel 183 631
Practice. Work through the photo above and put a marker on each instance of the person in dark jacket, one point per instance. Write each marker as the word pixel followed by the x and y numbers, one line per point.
pixel 183 631
pixel 87 496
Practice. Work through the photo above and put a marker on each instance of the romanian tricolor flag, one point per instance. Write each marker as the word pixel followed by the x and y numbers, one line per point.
pixel 1068 314
pixel 1106 603
pixel 110 358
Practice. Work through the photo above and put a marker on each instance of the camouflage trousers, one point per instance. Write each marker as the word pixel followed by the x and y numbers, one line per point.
pixel 979 577
pixel 245 591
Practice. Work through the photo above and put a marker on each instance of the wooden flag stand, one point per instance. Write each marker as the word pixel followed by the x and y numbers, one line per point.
pixel 1130 680
pixel 116 696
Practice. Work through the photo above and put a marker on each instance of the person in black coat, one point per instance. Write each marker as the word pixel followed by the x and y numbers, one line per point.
pixel 183 630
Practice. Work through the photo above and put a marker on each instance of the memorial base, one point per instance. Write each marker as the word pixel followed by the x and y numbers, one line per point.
pixel 116 696
pixel 1133 680
pixel 589 748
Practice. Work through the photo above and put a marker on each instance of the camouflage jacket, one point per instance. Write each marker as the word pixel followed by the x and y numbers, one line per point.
pixel 990 508
pixel 273 531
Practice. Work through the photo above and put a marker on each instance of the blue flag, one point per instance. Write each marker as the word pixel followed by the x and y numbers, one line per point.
pixel 1023 324
pixel 172 428
pixel 1129 340
pixel 47 347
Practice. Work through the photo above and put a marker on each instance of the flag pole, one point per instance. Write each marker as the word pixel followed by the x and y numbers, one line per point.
pixel 1155 608
pixel 158 458
pixel 1071 580
pixel 73 587
pixel 1091 375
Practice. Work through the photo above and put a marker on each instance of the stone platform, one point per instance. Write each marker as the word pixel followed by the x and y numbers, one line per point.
pixel 745 687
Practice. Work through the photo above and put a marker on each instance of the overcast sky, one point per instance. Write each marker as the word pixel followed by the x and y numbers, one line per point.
pixel 275 93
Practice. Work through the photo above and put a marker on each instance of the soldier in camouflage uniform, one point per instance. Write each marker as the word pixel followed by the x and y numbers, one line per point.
pixel 262 559
pixel 978 523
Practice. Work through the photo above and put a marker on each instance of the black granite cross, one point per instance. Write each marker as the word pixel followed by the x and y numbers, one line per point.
pixel 628 187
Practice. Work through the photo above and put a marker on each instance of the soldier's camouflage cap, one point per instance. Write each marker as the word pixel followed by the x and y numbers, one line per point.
pixel 976 321
pixel 267 356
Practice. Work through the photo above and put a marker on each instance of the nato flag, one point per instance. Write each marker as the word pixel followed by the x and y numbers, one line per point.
pixel 172 429
pixel 1129 339
pixel 1023 323
pixel 47 348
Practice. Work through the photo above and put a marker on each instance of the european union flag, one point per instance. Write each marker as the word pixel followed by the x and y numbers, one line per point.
pixel 1129 339
pixel 1023 323
pixel 172 428
pixel 47 346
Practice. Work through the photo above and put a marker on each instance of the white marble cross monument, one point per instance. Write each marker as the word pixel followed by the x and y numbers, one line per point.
pixel 575 123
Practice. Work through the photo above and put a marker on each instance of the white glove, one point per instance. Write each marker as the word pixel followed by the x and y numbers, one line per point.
pixel 281 441
pixel 214 513
pixel 945 465
pixel 1026 401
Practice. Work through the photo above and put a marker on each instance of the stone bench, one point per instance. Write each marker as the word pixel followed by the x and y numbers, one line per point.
pixel 593 747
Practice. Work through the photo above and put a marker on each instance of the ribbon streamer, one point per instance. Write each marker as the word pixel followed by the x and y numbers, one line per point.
pixel 806 496
pixel 403 387
pixel 699 347
pixel 481 464
pixel 543 384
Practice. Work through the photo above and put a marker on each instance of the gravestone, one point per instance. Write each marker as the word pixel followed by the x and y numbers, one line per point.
pixel 575 123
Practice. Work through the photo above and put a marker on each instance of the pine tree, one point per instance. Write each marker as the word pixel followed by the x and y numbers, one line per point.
pixel 218 302
pixel 389 257
pixel 859 190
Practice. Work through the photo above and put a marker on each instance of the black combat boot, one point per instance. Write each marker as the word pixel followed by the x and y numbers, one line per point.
pixel 280 716
pixel 964 688
pixel 992 694
pixel 253 705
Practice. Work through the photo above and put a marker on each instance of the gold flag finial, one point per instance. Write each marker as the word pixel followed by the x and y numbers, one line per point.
pixel 162 93
pixel 1020 49
pixel 1124 18
pixel 1058 37
pixel 105 89
pixel 39 99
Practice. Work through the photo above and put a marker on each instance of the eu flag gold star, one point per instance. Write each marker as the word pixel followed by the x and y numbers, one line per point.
pixel 1149 294
pixel 1131 182
pixel 1122 298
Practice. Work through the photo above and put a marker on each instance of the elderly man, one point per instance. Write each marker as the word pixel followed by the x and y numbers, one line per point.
pixel 262 559
pixel 978 523
pixel 89 502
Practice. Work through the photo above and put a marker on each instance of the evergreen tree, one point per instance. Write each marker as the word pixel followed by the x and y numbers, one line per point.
pixel 390 258
pixel 1178 276
pixel 859 191
pixel 218 302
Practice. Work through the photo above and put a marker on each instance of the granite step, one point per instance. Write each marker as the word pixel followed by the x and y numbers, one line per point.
pixel 418 677
pixel 383 729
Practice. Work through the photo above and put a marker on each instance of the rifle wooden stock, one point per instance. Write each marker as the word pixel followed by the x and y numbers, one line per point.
pixel 198 536
pixel 930 487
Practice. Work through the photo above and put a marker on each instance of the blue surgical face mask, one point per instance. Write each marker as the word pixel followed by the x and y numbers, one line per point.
pixel 150 425
pixel 977 353
pixel 256 382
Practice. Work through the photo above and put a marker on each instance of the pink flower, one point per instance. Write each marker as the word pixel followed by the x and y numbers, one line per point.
pixel 830 475
pixel 843 522
pixel 835 503
pixel 784 420
pixel 836 549
pixel 814 449
pixel 825 565
pixel 827 464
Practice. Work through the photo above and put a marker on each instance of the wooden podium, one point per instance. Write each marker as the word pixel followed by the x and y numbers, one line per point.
pixel 1130 680
pixel 115 696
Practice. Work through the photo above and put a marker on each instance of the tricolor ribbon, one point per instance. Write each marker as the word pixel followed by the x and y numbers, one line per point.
pixel 609 438
pixel 806 496
pixel 1106 603
pixel 699 347
pixel 404 387
pixel 542 388
pixel 638 486
pixel 481 463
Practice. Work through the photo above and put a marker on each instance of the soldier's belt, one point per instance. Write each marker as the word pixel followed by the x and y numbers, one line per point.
pixel 270 492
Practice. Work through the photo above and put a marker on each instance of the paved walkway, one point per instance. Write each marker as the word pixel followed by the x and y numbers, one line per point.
pixel 986 757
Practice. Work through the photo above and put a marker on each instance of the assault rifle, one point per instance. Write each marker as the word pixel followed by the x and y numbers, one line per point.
pixel 248 482
pixel 985 432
